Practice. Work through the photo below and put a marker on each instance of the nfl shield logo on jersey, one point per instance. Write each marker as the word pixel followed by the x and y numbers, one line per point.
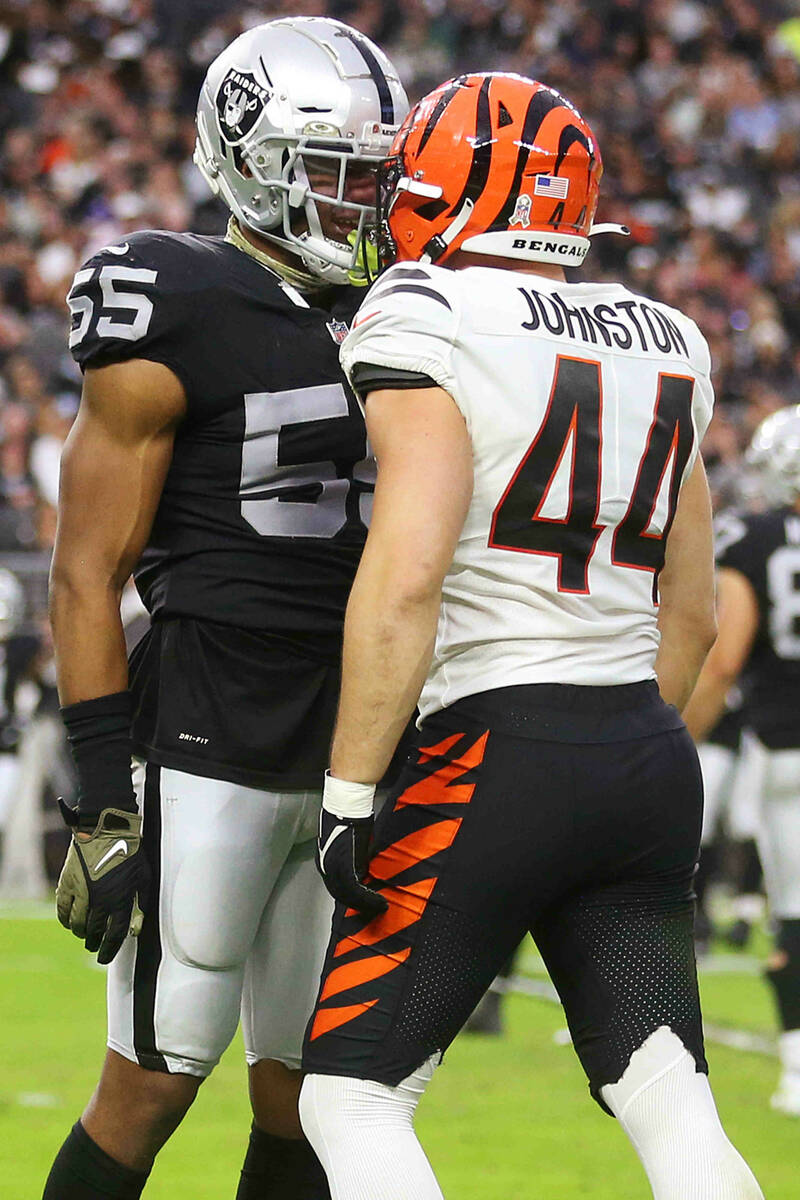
pixel 240 103
pixel 522 212
pixel 338 330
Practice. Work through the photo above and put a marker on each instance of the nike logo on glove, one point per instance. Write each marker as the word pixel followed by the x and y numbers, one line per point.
pixel 335 833
pixel 119 847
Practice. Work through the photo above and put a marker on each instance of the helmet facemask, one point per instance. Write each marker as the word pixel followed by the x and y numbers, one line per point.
pixel 317 185
pixel 390 172
pixel 287 175
pixel 393 183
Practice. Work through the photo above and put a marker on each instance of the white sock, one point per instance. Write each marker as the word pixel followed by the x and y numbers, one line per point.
pixel 789 1044
pixel 667 1110
pixel 363 1134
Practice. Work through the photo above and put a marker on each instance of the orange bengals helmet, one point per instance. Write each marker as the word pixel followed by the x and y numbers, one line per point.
pixel 495 164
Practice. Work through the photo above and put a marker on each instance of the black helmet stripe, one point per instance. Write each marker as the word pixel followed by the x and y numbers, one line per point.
pixel 570 134
pixel 542 102
pixel 434 208
pixel 377 73
pixel 264 69
pixel 440 106
pixel 481 149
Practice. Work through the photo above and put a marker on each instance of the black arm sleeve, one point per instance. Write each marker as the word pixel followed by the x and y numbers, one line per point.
pixel 367 377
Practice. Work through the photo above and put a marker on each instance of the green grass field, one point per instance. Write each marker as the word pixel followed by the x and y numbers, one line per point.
pixel 505 1119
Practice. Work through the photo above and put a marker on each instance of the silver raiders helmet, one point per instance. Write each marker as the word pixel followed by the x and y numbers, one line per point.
pixel 774 455
pixel 283 93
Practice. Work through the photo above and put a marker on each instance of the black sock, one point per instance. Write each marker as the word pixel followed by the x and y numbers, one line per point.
pixel 82 1171
pixel 749 872
pixel 281 1169
pixel 785 980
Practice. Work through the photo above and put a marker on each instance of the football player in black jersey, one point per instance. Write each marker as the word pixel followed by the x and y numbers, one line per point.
pixel 219 456
pixel 759 642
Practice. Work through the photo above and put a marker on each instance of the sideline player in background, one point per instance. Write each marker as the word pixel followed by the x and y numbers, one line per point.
pixel 730 791
pixel 219 456
pixel 539 489
pixel 759 640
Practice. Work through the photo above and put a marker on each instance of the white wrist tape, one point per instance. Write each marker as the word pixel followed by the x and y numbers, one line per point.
pixel 345 799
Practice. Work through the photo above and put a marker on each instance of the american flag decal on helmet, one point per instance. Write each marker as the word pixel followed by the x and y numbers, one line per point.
pixel 551 185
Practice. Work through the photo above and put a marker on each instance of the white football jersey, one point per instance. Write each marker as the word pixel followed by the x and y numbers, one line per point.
pixel 585 404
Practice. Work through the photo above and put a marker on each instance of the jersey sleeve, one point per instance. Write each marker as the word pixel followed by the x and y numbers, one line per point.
pixel 407 323
pixel 703 399
pixel 700 360
pixel 699 357
pixel 139 299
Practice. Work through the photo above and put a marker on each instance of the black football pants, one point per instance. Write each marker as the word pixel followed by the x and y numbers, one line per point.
pixel 570 812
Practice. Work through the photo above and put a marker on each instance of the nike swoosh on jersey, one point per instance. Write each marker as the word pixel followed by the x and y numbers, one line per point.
pixel 332 836
pixel 119 847
pixel 361 320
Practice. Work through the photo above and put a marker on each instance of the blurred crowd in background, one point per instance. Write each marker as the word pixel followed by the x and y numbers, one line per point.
pixel 696 106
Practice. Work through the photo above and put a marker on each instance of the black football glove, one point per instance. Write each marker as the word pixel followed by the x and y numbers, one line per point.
pixel 343 857
pixel 104 884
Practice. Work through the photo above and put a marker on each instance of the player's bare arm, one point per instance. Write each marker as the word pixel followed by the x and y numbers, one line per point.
pixel 423 491
pixel 421 499
pixel 737 619
pixel 686 619
pixel 113 470
pixel 112 473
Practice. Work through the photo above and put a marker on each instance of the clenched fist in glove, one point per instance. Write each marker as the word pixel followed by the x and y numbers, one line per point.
pixel 104 884
pixel 343 849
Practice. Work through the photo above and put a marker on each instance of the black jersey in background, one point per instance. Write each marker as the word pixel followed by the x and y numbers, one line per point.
pixel 262 518
pixel 767 553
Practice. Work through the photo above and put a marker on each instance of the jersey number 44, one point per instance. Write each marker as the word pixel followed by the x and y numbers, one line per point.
pixel 573 422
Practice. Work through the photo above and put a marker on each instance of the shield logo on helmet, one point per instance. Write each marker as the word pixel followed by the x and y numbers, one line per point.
pixel 240 102
pixel 522 212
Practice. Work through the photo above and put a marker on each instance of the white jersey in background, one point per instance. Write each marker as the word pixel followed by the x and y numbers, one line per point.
pixel 585 404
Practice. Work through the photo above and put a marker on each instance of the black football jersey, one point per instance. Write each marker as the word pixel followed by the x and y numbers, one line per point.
pixel 767 552
pixel 727 732
pixel 261 522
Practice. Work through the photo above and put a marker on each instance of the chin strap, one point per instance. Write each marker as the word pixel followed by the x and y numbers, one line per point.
pixel 296 277
pixel 436 247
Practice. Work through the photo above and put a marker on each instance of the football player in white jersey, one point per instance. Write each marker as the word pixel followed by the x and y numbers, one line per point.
pixel 759 641
pixel 539 576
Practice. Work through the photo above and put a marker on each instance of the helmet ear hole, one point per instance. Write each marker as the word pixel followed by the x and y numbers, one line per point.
pixel 239 163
